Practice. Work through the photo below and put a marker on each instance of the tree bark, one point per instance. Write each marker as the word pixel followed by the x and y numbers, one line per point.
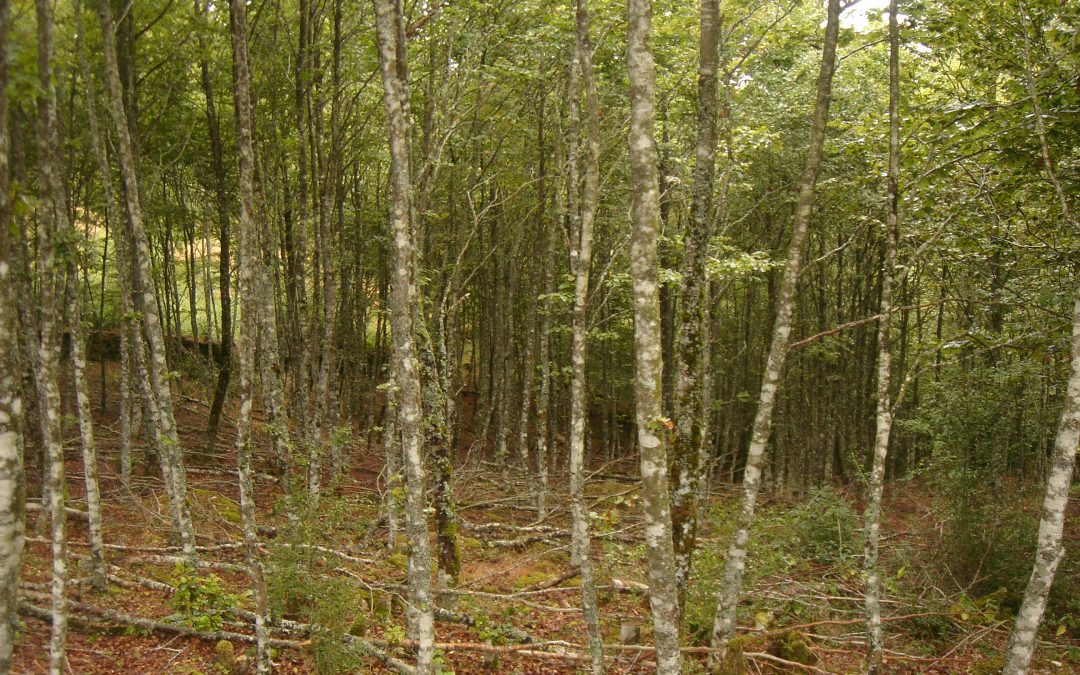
pixel 53 223
pixel 224 360
pixel 735 563
pixel 652 426
pixel 584 152
pixel 1050 549
pixel 12 478
pixel 247 338
pixel 689 373
pixel 86 426
pixel 403 303
pixel 169 449
pixel 872 528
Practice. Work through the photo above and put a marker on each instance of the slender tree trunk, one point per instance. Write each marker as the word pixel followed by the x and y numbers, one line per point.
pixel 12 479
pixel 224 359
pixel 247 338
pixel 53 223
pixel 584 151
pixel 403 303
pixel 652 426
pixel 392 448
pixel 111 216
pixel 735 563
pixel 169 443
pixel 872 528
pixel 86 428
pixel 689 403
pixel 543 396
pixel 1050 549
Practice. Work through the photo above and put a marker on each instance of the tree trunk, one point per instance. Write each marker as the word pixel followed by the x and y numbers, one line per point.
pixel 584 149
pixel 403 303
pixel 872 528
pixel 652 426
pixel 689 373
pixel 53 223
pixel 86 427
pixel 168 442
pixel 12 479
pixel 1050 549
pixel 735 563
pixel 224 360
pixel 245 145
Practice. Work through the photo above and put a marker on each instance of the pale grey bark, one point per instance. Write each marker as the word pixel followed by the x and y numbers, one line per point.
pixel 53 222
pixel 528 380
pixel 543 397
pixel 1050 550
pixel 394 491
pixel 12 478
pixel 735 564
pixel 169 449
pixel 689 371
pixel 119 247
pixel 652 426
pixel 872 527
pixel 86 429
pixel 582 199
pixel 246 338
pixel 403 302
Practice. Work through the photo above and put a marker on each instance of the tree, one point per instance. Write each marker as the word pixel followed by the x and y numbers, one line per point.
pixel 164 426
pixel 254 296
pixel 403 302
pixel 652 426
pixel 735 563
pixel 1063 461
pixel 872 516
pixel 582 200
pixel 12 480
pixel 690 410
pixel 52 230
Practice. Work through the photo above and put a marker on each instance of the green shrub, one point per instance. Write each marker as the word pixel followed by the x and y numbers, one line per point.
pixel 201 601
pixel 826 527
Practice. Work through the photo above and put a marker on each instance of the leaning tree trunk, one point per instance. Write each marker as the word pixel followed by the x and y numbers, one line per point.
pixel 403 302
pixel 689 374
pixel 872 528
pixel 1050 549
pixel 584 152
pixel 53 223
pixel 169 449
pixel 86 428
pixel 12 480
pixel 652 426
pixel 245 145
pixel 735 563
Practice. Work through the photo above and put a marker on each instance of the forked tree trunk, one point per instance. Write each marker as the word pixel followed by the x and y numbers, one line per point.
pixel 652 426
pixel 689 373
pixel 1050 549
pixel 245 146
pixel 169 450
pixel 12 479
pixel 872 527
pixel 53 223
pixel 584 153
pixel 403 303
pixel 735 563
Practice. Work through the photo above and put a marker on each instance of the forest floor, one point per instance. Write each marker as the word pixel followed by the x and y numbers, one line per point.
pixel 516 607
